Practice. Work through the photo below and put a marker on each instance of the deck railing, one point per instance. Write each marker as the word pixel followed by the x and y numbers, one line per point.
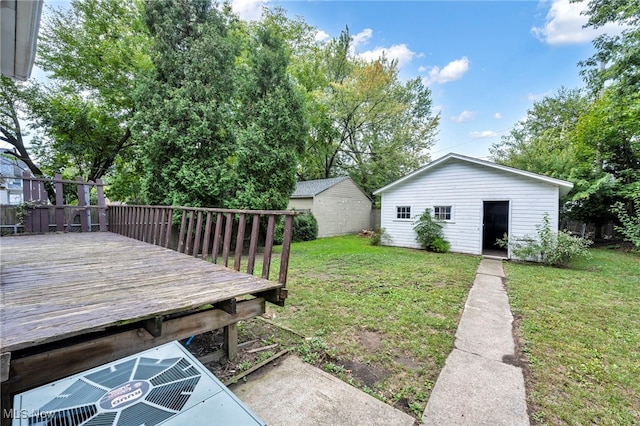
pixel 222 236
pixel 44 215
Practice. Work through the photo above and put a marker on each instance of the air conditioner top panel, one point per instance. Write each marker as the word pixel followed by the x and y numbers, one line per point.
pixel 165 385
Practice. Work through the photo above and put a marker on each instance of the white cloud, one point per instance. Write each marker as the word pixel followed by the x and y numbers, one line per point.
pixel 483 134
pixel 464 116
pixel 422 69
pixel 321 36
pixel 497 115
pixel 248 10
pixel 399 52
pixel 450 72
pixel 361 38
pixel 564 25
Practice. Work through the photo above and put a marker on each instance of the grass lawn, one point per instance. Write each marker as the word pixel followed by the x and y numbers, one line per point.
pixel 581 330
pixel 381 318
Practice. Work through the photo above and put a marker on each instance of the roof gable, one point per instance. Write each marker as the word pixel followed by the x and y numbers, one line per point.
pixel 564 186
pixel 311 188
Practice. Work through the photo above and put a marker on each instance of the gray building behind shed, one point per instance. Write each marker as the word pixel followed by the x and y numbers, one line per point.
pixel 338 204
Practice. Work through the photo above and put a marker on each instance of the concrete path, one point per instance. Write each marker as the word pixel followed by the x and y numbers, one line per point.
pixel 478 385
pixel 296 393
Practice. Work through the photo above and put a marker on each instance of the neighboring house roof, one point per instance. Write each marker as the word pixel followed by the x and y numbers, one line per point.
pixel 311 188
pixel 563 185
pixel 19 36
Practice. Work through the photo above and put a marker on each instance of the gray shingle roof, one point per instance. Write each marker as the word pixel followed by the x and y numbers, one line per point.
pixel 311 188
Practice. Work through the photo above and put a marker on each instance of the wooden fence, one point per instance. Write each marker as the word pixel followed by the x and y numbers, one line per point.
pixel 218 235
pixel 40 215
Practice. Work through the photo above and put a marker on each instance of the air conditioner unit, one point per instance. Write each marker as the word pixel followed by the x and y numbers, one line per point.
pixel 165 385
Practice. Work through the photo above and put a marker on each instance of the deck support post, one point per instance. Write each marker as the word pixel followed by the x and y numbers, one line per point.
pixel 231 341
pixel 5 361
pixel 154 326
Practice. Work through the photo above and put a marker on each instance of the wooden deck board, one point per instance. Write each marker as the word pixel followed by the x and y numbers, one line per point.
pixel 56 286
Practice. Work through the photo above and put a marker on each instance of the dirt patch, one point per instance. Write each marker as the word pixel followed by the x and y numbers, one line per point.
pixel 257 341
pixel 520 360
pixel 407 362
pixel 371 340
pixel 367 374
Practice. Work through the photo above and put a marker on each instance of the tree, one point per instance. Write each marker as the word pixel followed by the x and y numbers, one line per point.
pixel 185 105
pixel 547 142
pixel 11 102
pixel 364 122
pixel 271 125
pixel 93 51
pixel 617 58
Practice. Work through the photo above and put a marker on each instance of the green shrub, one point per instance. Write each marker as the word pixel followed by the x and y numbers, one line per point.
pixel 548 247
pixel 630 228
pixel 305 228
pixel 440 246
pixel 378 236
pixel 429 233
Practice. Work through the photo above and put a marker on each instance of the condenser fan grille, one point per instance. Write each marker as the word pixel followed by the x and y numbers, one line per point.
pixel 131 393
pixel 164 385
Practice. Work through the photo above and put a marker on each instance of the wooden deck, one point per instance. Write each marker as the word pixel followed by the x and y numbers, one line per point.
pixel 69 301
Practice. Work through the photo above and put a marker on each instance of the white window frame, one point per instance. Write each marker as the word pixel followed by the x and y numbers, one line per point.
pixel 399 212
pixel 436 215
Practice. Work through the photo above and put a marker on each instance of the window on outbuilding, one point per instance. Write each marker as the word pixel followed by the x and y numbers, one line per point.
pixel 442 212
pixel 403 212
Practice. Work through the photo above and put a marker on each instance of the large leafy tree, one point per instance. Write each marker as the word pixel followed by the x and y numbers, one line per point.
pixel 12 101
pixel 364 121
pixel 613 75
pixel 547 142
pixel 617 58
pixel 93 52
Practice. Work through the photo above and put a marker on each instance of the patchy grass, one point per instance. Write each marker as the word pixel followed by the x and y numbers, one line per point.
pixel 581 330
pixel 380 318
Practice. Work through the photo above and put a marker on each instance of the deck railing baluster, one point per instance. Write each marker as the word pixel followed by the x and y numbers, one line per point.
pixel 189 244
pixel 226 246
pixel 286 247
pixel 216 239
pixel 167 237
pixel 198 235
pixel 183 226
pixel 268 246
pixel 207 235
pixel 145 223
pixel 239 241
pixel 253 245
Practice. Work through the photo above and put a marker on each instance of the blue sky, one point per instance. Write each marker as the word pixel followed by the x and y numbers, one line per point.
pixel 484 61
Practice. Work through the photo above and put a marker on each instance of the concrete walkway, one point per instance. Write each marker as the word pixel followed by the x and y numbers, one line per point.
pixel 296 393
pixel 478 385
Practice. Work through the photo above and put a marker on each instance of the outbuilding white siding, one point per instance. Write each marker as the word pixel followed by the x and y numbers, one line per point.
pixel 465 185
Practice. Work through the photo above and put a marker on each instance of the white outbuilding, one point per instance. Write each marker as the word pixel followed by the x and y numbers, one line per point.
pixel 477 201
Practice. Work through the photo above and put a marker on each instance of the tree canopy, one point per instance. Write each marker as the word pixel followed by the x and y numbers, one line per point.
pixel 590 137
pixel 93 52
pixel 221 122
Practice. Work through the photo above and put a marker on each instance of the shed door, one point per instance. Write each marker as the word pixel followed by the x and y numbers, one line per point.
pixel 495 223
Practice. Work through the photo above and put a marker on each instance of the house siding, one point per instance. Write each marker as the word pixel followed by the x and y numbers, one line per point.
pixel 340 210
pixel 465 186
pixel 300 204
